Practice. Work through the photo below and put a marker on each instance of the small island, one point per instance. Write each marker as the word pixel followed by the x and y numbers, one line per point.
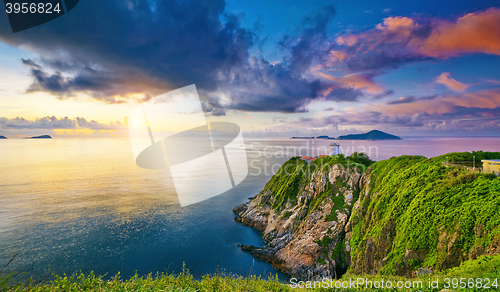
pixel 372 135
pixel 40 137
pixel 3 137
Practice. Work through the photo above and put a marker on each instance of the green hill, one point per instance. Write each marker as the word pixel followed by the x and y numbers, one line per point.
pixel 414 212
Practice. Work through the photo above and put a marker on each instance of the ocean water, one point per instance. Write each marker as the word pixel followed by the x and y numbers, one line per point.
pixel 71 205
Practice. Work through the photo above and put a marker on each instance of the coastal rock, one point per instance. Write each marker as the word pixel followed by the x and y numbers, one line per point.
pixel 304 239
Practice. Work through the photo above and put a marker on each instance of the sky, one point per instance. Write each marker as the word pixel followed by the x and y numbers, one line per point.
pixel 275 68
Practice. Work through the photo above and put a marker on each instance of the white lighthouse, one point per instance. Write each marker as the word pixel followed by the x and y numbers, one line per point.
pixel 334 149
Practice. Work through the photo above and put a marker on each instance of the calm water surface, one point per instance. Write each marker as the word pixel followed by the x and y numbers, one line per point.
pixel 70 205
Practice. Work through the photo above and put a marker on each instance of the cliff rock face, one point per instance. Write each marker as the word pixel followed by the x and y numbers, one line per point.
pixel 304 232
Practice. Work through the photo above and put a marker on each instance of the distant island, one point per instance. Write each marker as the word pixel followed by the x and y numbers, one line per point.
pixel 3 137
pixel 372 135
pixel 40 137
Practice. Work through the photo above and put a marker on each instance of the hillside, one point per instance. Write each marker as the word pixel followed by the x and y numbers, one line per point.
pixel 303 210
pixel 413 212
pixel 408 212
pixel 372 135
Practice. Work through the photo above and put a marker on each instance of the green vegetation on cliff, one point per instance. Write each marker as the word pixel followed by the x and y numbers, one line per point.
pixel 415 212
pixel 285 185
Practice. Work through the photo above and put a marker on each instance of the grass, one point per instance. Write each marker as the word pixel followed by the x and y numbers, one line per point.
pixel 183 281
pixel 483 267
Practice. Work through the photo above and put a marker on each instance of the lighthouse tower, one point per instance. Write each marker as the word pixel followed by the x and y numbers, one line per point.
pixel 334 149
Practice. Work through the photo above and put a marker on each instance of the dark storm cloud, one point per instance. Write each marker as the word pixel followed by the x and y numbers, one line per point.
pixel 183 41
pixel 112 49
pixel 261 86
pixel 100 84
pixel 258 85
pixel 177 43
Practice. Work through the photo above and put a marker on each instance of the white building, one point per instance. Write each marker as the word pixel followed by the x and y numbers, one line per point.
pixel 334 149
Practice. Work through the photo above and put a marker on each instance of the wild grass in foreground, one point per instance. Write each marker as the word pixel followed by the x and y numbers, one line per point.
pixel 485 267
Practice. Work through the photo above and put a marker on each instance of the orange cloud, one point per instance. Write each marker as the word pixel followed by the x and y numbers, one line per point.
pixel 397 24
pixel 348 40
pixel 446 79
pixel 477 32
pixel 360 81
pixel 398 40
pixel 335 57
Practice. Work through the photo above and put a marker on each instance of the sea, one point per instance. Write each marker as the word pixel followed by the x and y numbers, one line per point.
pixel 77 205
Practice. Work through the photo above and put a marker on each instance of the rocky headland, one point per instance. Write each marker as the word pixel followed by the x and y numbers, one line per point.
pixel 402 216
